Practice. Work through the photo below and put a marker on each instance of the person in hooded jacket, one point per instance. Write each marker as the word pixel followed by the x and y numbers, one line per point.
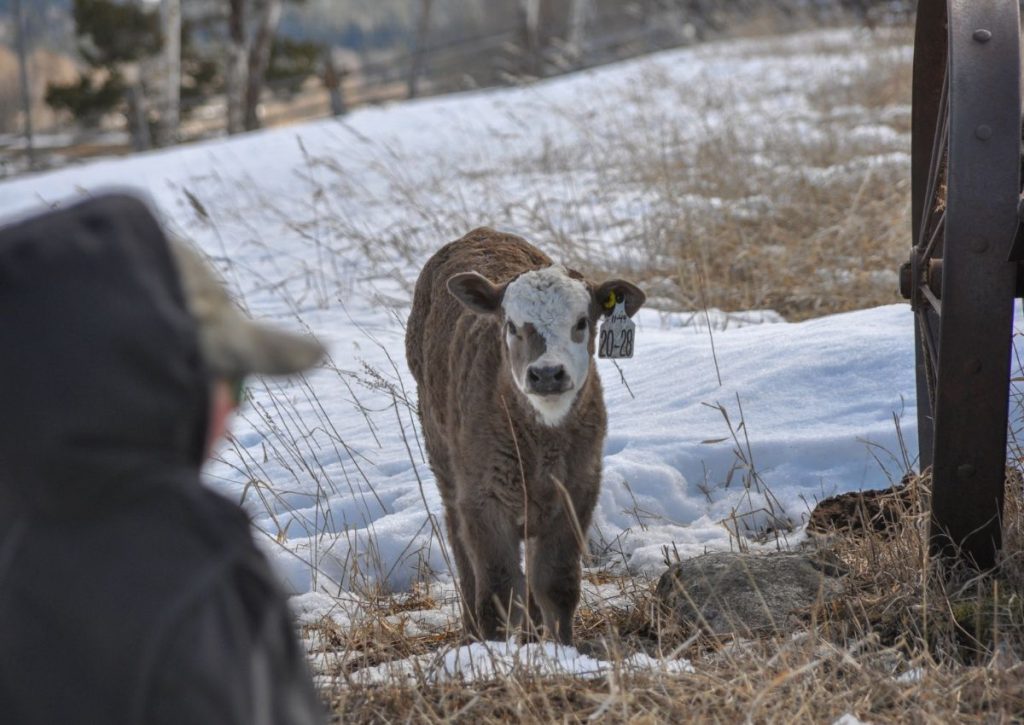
pixel 129 592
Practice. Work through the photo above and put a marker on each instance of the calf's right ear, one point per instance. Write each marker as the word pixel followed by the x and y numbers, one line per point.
pixel 476 292
pixel 623 290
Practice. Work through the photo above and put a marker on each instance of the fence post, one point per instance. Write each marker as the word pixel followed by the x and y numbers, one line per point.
pixel 529 14
pixel 333 80
pixel 422 31
pixel 235 71
pixel 170 95
pixel 26 94
pixel 578 12
pixel 138 120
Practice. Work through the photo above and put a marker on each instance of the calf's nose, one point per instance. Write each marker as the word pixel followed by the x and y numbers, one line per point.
pixel 547 379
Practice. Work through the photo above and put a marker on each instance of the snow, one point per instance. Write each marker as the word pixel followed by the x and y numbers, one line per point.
pixel 490 660
pixel 316 607
pixel 721 425
pixel 911 676
pixel 849 719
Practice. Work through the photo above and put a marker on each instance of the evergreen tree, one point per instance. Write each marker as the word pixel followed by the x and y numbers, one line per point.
pixel 200 69
pixel 87 100
pixel 291 63
pixel 111 37
pixel 114 38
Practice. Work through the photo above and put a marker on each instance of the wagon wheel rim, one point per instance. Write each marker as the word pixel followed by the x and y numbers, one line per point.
pixel 966 140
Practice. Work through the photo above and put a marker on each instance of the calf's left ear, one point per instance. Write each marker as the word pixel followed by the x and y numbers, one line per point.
pixel 633 296
pixel 477 292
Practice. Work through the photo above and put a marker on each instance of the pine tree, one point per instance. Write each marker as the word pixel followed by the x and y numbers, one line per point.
pixel 113 37
pixel 291 63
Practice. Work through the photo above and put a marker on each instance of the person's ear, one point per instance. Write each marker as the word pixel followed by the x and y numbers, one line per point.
pixel 222 405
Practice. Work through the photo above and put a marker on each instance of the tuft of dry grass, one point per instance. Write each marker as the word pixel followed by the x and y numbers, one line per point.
pixel 899 644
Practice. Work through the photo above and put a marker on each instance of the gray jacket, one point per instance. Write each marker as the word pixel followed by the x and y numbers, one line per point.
pixel 129 593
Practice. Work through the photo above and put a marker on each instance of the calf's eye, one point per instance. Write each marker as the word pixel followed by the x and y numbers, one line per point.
pixel 511 329
pixel 582 324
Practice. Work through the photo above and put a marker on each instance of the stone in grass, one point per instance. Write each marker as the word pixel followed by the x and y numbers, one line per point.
pixel 745 595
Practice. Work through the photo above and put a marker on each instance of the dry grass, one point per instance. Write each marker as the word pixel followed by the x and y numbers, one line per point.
pixel 803 221
pixel 799 686
pixel 705 192
pixel 894 646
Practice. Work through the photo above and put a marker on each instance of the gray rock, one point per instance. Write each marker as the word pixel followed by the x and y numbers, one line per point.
pixel 746 594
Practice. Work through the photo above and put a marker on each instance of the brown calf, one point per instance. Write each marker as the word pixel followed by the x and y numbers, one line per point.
pixel 501 343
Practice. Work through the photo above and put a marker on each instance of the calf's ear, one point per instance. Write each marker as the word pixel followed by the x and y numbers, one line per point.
pixel 623 290
pixel 476 292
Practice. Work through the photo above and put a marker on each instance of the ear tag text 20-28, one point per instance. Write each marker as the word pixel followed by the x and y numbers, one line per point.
pixel 617 334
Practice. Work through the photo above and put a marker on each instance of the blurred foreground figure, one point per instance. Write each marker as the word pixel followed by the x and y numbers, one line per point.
pixel 130 593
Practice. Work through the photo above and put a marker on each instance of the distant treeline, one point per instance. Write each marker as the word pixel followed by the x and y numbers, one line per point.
pixel 248 61
pixel 376 25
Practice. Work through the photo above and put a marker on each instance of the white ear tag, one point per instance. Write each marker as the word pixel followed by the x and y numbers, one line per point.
pixel 617 333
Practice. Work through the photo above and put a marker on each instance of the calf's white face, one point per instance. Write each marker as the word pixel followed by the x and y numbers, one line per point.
pixel 548 318
pixel 547 331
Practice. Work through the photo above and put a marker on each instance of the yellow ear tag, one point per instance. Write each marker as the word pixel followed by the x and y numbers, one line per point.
pixel 610 302
pixel 618 332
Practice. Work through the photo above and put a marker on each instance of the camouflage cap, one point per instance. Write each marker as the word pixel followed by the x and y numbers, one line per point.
pixel 234 346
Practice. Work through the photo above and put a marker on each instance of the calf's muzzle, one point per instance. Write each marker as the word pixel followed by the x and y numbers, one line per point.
pixel 547 379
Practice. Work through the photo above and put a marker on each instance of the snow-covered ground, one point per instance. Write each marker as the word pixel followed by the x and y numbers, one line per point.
pixel 486 660
pixel 324 227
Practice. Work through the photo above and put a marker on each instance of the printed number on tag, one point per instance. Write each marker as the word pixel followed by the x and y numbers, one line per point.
pixel 617 334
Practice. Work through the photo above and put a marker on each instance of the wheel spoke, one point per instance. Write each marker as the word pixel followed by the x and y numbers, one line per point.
pixel 928 337
pixel 931 346
pixel 930 343
pixel 934 301
pixel 938 230
pixel 940 147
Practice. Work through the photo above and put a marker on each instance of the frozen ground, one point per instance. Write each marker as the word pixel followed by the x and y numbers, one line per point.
pixel 324 227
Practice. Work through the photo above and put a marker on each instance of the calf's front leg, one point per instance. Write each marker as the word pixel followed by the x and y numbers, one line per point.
pixel 492 546
pixel 467 579
pixel 554 558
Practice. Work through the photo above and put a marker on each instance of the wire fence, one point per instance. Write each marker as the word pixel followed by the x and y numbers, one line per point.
pixel 345 80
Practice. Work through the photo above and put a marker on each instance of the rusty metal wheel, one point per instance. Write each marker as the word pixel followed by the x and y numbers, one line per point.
pixel 961 284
